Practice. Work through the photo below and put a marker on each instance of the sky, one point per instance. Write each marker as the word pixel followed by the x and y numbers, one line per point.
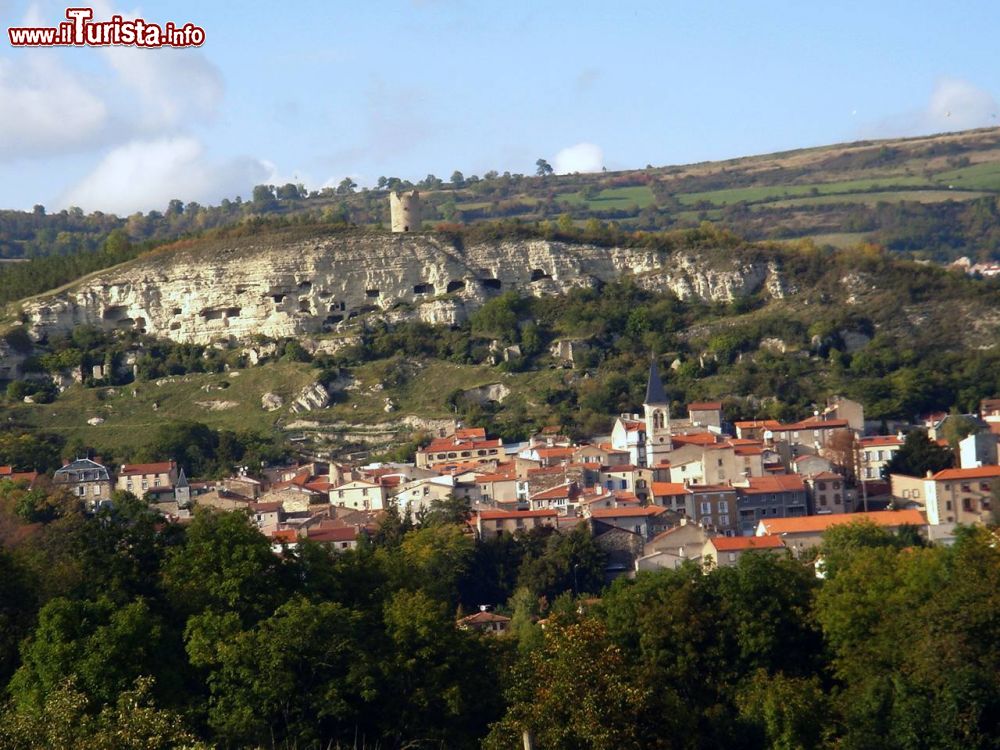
pixel 312 92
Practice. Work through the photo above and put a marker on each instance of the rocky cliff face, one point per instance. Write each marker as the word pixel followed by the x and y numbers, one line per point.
pixel 276 286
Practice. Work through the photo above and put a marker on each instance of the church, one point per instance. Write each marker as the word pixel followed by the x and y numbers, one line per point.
pixel 646 437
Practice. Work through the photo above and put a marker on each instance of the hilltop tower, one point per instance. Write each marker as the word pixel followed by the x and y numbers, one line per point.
pixel 656 409
pixel 404 209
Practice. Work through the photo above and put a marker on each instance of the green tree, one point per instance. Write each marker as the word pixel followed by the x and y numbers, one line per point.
pixel 543 168
pixel 300 676
pixel 105 647
pixel 225 564
pixel 132 722
pixel 576 692
pixel 918 455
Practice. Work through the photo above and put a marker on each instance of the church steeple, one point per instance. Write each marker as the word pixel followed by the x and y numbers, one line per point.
pixel 654 387
pixel 656 409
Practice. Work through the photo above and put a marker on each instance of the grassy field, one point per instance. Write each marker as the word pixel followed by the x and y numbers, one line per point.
pixel 426 391
pixel 770 192
pixel 977 177
pixel 614 198
pixel 128 418
pixel 871 199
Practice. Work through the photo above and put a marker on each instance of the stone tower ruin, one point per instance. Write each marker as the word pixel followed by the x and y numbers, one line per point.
pixel 404 208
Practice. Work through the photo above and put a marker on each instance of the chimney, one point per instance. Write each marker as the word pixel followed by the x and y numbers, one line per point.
pixel 929 474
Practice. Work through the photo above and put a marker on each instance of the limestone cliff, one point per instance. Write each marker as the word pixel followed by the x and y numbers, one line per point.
pixel 281 284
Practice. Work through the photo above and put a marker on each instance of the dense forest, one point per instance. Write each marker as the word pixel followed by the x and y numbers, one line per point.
pixel 121 631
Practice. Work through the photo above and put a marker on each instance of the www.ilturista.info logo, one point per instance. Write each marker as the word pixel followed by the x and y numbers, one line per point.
pixel 81 30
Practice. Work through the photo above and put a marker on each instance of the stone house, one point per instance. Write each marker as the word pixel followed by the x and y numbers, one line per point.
pixel 726 551
pixel 804 533
pixel 85 479
pixel 359 495
pixel 491 523
pixel 142 478
pixel 776 496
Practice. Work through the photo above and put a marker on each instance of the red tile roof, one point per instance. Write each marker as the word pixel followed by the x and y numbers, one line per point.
pixel 813 524
pixel 482 618
pixel 980 472
pixel 813 423
pixel 738 543
pixel 563 490
pixel 767 424
pixel 448 444
pixel 774 483
pixel 668 488
pixel 344 534
pixel 649 510
pixel 705 406
pixel 470 433
pixel 554 452
pixel 874 440
pixel 695 438
pixel 500 515
pixel 163 467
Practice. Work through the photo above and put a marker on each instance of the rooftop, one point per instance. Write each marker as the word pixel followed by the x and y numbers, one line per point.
pixel 814 524
pixel 741 543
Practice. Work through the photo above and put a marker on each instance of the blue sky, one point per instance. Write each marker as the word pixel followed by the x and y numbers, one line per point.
pixel 315 91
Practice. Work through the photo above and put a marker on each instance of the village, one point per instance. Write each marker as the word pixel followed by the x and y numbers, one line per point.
pixel 658 492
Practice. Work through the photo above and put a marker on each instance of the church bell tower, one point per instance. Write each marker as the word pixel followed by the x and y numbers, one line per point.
pixel 656 408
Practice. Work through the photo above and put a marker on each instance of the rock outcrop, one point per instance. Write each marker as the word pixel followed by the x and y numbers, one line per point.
pixel 279 284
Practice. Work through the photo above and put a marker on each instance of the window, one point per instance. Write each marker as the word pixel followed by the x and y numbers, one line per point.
pixel 984 487
pixel 822 501
pixel 364 490
pixel 836 497
pixel 723 520
pixel 97 490
pixel 706 509
pixel 821 485
pixel 81 490
pixel 156 481
pixel 966 487
pixel 732 557
pixel 723 506
pixel 947 505
pixel 340 494
pixel 720 462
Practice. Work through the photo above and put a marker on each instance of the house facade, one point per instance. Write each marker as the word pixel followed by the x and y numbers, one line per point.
pixel 85 479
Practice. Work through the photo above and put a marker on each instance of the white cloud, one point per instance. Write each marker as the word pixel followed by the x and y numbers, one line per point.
pixel 173 86
pixel 959 105
pixel 46 109
pixel 954 104
pixel 583 157
pixel 146 175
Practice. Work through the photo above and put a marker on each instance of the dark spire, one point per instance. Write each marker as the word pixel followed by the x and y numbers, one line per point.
pixel 181 479
pixel 654 388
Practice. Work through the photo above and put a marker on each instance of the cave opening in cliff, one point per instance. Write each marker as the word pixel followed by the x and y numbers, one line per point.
pixel 537 274
pixel 491 283
pixel 372 293
pixel 423 288
pixel 278 298
pixel 455 286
